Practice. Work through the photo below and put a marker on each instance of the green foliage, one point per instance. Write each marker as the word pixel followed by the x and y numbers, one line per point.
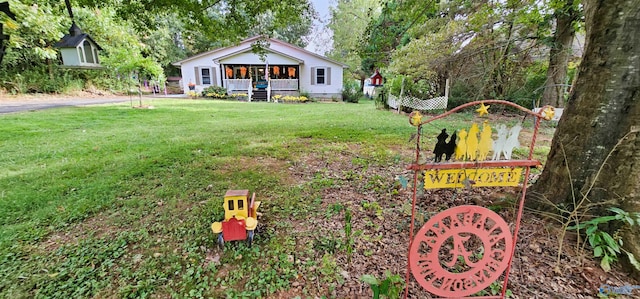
pixel 488 51
pixel 216 92
pixel 140 38
pixel 37 28
pixel 390 287
pixel 605 246
pixel 82 268
pixel 382 35
pixel 372 207
pixel 212 23
pixel 347 234
pixel 348 22
pixel 495 289
pixel 30 63
pixel 410 86
pixel 351 93
pixel 327 244
pixel 380 99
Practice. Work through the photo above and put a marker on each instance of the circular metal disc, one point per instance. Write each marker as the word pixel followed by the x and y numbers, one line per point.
pixel 460 251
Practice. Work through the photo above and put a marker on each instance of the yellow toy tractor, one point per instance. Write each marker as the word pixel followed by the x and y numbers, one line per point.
pixel 240 217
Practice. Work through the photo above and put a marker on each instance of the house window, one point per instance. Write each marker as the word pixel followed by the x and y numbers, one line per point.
pixel 320 75
pixel 206 76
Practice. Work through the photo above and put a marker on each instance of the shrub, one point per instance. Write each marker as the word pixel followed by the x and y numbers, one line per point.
pixel 380 98
pixel 216 92
pixel 239 96
pixel 305 94
pixel 351 92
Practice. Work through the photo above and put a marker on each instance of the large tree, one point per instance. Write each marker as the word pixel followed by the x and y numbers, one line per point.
pixel 566 14
pixel 349 20
pixel 595 153
pixel 142 33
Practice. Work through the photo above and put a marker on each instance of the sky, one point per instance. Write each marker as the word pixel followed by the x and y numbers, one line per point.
pixel 320 40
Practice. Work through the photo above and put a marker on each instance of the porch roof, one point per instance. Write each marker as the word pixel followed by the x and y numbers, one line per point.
pixel 245 50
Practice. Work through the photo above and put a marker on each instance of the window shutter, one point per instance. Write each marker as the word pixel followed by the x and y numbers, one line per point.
pixel 313 76
pixel 214 77
pixel 328 76
pixel 197 72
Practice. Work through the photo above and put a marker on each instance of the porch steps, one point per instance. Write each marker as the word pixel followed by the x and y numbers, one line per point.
pixel 259 95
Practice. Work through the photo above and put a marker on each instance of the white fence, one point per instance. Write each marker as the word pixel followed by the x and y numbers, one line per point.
pixel 418 104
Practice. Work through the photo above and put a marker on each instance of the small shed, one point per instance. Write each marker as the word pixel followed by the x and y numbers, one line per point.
pixel 376 79
pixel 78 49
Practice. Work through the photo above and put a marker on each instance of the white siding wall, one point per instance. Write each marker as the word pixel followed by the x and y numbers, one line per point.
pixel 326 91
pixel 189 69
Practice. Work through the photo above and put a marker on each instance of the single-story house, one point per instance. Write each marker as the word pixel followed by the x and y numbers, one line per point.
pixel 285 69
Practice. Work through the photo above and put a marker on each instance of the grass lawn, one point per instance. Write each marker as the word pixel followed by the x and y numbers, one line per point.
pixel 110 201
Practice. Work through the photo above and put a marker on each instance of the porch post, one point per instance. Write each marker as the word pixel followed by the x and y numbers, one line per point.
pixel 269 90
pixel 299 77
pixel 223 75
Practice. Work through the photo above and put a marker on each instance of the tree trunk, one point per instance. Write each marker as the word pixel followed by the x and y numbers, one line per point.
pixel 596 147
pixel 559 55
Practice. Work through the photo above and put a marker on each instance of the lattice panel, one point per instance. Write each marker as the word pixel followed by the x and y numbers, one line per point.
pixel 418 104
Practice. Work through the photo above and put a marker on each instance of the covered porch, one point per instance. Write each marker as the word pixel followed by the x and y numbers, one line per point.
pixel 245 77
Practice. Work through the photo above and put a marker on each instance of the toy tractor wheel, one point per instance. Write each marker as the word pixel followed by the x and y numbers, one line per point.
pixel 220 241
pixel 250 238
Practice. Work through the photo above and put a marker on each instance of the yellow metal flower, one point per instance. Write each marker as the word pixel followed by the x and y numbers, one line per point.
pixel 483 109
pixel 548 112
pixel 415 118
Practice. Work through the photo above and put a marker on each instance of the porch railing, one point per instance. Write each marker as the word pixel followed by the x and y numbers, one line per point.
pixel 284 84
pixel 237 84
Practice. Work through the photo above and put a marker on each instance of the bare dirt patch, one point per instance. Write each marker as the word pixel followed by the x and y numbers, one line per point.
pixel 381 216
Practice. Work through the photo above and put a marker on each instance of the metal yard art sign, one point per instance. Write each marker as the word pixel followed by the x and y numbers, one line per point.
pixel 458 178
pixel 463 250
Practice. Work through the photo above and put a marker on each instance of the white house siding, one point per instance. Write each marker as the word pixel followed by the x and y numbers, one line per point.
pixel 281 54
pixel 331 89
pixel 325 91
pixel 189 73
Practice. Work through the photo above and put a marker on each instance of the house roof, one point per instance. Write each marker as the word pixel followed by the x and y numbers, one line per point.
pixel 75 38
pixel 245 45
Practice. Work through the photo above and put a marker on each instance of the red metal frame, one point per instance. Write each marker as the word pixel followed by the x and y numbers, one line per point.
pixel 416 167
